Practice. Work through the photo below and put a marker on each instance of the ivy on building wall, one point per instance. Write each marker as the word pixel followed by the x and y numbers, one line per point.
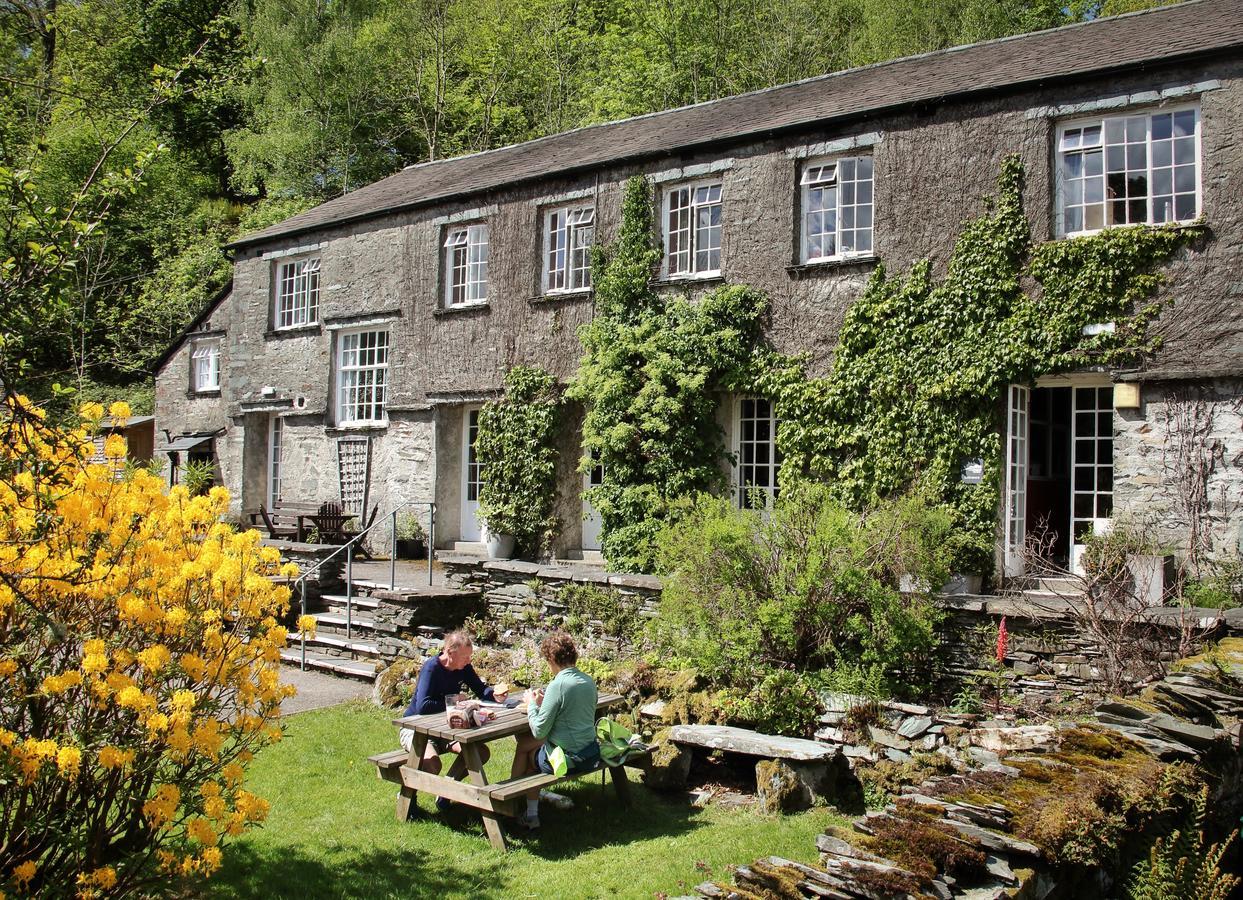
pixel 652 370
pixel 919 379
pixel 922 366
pixel 517 457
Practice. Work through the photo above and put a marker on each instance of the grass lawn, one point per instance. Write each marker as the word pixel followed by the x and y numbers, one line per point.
pixel 332 833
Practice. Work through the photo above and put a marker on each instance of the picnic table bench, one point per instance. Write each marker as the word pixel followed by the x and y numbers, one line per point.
pixel 502 798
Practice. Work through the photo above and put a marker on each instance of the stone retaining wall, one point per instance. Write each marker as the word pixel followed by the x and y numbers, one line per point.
pixel 327 579
pixel 1046 646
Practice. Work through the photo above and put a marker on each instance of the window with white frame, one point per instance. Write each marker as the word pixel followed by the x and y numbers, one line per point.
pixel 362 375
pixel 693 229
pixel 205 365
pixel 837 209
pixel 758 458
pixel 568 233
pixel 297 293
pixel 466 265
pixel 1134 169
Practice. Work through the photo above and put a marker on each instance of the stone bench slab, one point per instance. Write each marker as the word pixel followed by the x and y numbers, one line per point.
pixel 751 743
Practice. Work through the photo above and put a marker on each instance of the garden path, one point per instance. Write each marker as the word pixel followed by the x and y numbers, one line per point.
pixel 317 690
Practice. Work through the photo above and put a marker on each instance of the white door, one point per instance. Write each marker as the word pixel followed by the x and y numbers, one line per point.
pixel 1016 477
pixel 472 529
pixel 1092 482
pixel 276 440
pixel 591 518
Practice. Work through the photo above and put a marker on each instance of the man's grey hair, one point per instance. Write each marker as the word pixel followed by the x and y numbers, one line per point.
pixel 457 638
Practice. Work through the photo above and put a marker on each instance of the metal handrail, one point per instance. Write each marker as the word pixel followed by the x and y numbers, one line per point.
pixel 348 549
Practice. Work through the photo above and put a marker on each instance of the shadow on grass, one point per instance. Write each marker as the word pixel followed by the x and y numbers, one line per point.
pixel 599 820
pixel 288 872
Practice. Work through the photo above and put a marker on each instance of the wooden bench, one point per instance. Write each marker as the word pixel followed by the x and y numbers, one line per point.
pixel 502 797
pixel 284 521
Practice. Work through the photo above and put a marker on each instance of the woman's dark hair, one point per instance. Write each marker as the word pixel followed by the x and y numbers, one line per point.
pixel 559 648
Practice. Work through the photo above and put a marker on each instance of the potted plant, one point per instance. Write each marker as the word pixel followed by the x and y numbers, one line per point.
pixel 500 544
pixel 411 538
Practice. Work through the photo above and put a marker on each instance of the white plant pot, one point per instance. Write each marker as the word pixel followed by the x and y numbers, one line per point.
pixel 500 546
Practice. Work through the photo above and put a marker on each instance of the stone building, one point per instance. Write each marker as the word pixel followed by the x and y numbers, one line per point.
pixel 359 338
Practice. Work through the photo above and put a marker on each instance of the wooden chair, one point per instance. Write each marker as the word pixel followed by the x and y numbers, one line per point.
pixel 330 522
pixel 275 531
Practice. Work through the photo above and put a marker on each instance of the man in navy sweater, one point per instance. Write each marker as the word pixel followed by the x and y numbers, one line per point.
pixel 448 673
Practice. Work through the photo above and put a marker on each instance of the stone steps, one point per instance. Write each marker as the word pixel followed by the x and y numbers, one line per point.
pixel 337 646
pixel 361 671
pixel 337 602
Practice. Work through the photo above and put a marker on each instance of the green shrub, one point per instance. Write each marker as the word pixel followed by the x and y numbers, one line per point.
pixel 809 586
pixel 518 458
pixel 593 611
pixel 783 702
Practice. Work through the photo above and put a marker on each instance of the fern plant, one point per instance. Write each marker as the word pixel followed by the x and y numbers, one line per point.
pixel 1179 867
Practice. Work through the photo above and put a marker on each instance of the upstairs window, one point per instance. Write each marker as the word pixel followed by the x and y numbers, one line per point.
pixel 568 233
pixel 466 266
pixel 362 376
pixel 297 293
pixel 693 230
pixel 837 209
pixel 205 365
pixel 1129 170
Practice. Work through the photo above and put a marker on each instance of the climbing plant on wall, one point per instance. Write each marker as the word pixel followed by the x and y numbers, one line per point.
pixel 650 378
pixel 922 366
pixel 517 457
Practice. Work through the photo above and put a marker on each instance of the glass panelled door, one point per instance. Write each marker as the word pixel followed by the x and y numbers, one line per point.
pixel 1092 484
pixel 591 519
pixel 1017 412
pixel 472 530
pixel 276 440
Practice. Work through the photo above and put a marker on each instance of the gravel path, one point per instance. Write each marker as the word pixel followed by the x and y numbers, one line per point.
pixel 317 690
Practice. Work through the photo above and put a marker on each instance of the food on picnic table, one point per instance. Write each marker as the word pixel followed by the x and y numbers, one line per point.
pixel 468 714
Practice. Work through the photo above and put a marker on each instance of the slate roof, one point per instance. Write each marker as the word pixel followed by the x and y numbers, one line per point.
pixel 1157 36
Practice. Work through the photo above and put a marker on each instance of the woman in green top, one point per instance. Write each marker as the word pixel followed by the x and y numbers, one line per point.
pixel 562 716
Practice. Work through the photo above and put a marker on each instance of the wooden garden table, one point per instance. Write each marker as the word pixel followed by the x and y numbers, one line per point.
pixel 493 800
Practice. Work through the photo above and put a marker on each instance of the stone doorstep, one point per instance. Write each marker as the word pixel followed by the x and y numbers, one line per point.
pixel 425 593
pixel 751 743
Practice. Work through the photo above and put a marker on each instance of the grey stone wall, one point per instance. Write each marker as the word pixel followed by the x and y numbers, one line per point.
pixel 1177 465
pixel 1047 649
pixel 932 167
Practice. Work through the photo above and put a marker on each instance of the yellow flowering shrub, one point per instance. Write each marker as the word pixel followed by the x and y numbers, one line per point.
pixel 139 667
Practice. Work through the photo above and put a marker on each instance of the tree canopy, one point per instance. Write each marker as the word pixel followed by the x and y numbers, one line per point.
pixel 221 115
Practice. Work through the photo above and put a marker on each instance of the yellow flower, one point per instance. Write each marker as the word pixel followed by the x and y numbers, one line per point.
pixel 68 760
pixel 114 757
pixel 119 410
pixel 200 830
pixel 7 667
pixel 154 658
pixel 92 412
pixel 23 872
pixel 306 625
pixel 211 858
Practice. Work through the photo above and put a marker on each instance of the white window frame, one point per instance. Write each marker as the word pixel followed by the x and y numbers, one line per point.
pixel 853 209
pixel 296 299
pixel 742 491
pixel 205 365
pixel 362 385
pixel 1075 136
pixel 466 265
pixel 568 235
pixel 706 194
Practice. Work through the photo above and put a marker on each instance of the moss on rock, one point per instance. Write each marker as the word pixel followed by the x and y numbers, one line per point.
pixel 395 685
pixel 779 788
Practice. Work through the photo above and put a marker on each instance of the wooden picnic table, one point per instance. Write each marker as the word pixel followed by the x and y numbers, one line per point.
pixel 493 800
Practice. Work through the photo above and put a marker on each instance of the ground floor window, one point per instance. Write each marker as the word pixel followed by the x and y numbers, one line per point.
pixel 755 480
pixel 276 442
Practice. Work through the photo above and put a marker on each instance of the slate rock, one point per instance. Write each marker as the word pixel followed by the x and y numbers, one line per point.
pixel 1016 737
pixel 751 743
pixel 779 788
pixel 888 738
pixel 992 840
pixel 915 726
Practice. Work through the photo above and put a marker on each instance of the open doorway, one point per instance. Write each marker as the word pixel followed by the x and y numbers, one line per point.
pixel 1059 469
